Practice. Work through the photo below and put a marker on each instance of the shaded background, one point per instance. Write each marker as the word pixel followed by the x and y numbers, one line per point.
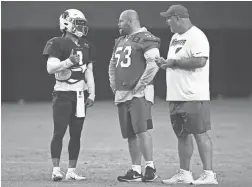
pixel 27 26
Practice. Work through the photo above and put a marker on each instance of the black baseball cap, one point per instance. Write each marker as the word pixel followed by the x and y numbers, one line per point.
pixel 176 10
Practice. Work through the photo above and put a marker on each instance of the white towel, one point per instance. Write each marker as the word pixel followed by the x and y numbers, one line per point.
pixel 80 105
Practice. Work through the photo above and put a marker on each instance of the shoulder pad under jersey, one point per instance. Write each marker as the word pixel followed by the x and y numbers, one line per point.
pixel 149 41
pixel 52 47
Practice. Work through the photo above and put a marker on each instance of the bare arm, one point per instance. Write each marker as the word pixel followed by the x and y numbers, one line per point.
pixel 186 64
pixel 190 63
pixel 90 81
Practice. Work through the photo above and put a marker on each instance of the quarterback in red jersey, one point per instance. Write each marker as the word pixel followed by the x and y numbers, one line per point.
pixel 70 58
pixel 131 72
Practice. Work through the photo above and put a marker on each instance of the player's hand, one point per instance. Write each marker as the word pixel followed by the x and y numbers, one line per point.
pixel 138 88
pixel 163 64
pixel 89 102
pixel 159 60
pixel 75 59
pixel 169 63
pixel 134 91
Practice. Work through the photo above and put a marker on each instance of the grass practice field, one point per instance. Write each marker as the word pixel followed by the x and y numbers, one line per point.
pixel 27 131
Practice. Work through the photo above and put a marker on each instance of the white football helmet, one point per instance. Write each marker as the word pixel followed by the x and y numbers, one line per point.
pixel 74 21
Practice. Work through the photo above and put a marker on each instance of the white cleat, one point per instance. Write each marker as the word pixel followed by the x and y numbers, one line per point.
pixel 182 176
pixel 206 178
pixel 73 175
pixel 57 175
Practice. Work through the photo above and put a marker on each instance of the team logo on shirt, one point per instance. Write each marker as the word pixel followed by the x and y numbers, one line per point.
pixel 178 49
pixel 178 42
pixel 136 39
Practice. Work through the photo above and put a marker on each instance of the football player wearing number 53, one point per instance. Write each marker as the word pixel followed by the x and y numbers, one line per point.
pixel 131 72
pixel 70 58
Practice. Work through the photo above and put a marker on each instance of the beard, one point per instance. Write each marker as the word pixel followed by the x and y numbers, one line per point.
pixel 124 31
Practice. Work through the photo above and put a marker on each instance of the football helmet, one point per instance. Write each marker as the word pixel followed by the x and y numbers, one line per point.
pixel 74 21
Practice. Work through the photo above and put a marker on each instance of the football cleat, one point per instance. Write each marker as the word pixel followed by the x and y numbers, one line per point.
pixel 57 175
pixel 73 175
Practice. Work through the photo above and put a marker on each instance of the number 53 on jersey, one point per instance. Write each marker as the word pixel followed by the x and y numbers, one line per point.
pixel 122 56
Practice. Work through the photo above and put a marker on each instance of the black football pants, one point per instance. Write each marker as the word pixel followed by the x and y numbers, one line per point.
pixel 64 107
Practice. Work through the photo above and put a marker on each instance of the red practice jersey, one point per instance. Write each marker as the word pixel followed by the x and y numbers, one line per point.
pixel 129 56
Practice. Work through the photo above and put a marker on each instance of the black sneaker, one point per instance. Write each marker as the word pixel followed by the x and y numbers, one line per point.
pixel 131 176
pixel 150 174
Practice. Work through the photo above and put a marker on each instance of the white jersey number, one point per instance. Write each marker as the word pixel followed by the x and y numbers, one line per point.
pixel 81 57
pixel 126 61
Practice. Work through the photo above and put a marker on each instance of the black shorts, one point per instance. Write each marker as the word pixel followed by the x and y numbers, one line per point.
pixel 135 116
pixel 190 117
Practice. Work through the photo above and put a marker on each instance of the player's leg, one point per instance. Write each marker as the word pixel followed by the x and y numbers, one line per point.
pixel 206 153
pixel 75 129
pixel 185 143
pixel 200 118
pixel 205 148
pixel 146 146
pixel 135 153
pixel 140 111
pixel 62 108
pixel 185 150
pixel 134 174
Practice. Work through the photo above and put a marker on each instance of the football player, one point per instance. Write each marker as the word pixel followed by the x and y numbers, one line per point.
pixel 131 72
pixel 70 58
